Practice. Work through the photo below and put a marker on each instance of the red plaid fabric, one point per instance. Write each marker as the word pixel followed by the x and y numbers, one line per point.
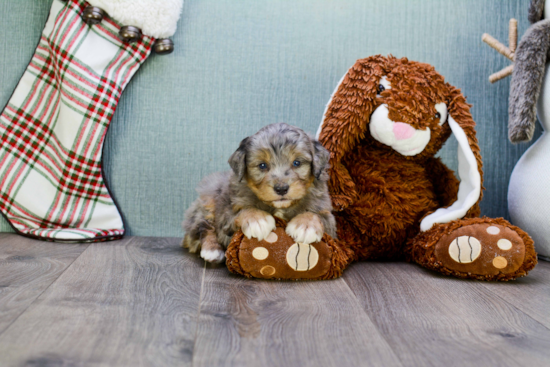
pixel 53 127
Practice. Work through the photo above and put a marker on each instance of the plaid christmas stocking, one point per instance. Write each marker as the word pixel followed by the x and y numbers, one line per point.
pixel 53 127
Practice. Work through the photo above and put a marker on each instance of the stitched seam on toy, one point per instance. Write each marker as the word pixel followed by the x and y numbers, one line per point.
pixel 308 255
pixel 471 249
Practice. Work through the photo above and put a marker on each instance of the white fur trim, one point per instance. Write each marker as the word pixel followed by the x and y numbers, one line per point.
pixel 470 183
pixel 155 18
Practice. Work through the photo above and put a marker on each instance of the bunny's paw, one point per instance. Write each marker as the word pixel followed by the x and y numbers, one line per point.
pixel 488 251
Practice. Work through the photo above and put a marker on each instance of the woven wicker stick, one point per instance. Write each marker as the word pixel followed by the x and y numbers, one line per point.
pixel 513 34
pixel 508 52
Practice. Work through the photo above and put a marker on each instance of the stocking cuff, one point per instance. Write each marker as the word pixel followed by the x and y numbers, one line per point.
pixel 155 18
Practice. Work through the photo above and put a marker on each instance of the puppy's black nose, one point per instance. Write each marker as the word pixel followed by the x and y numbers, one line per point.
pixel 281 188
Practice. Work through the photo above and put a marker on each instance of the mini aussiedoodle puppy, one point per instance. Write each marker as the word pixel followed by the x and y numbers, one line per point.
pixel 279 171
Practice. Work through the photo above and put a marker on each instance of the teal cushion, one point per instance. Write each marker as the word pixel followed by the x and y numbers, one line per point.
pixel 239 65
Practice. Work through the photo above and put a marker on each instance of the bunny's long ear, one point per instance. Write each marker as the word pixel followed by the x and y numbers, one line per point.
pixel 531 57
pixel 347 113
pixel 345 122
pixel 469 166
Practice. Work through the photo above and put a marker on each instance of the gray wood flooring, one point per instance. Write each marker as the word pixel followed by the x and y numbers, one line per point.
pixel 146 302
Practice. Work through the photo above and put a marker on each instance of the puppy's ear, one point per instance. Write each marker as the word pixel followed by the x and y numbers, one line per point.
pixel 237 161
pixel 321 157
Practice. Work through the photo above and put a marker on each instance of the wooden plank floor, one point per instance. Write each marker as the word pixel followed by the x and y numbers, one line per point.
pixel 146 302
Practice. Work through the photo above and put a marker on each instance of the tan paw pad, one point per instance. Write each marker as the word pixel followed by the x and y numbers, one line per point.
pixel 465 249
pixel 260 253
pixel 500 262
pixel 302 257
pixel 504 244
pixel 272 238
pixel 267 270
pixel 494 230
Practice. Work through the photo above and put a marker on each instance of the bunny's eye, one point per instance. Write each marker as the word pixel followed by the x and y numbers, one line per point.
pixel 383 84
pixel 437 115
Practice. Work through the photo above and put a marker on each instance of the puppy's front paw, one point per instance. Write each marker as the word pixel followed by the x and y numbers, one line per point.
pixel 256 223
pixel 213 256
pixel 305 228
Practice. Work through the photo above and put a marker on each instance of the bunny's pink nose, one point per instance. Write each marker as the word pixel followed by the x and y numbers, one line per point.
pixel 402 131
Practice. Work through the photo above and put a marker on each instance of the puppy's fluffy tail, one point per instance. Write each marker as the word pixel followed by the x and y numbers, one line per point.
pixel 195 226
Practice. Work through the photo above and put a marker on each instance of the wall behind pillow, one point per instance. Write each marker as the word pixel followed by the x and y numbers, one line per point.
pixel 240 65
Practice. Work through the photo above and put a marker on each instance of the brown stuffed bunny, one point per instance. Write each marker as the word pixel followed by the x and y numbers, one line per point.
pixel 393 199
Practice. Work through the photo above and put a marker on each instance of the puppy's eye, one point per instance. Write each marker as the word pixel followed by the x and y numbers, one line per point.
pixel 381 88
pixel 437 115
pixel 262 166
pixel 296 163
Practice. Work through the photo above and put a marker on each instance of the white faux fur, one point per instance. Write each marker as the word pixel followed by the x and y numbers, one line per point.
pixel 155 18
pixel 381 128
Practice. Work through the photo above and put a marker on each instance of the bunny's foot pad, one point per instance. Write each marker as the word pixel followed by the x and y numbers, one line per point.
pixel 280 257
pixel 481 248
